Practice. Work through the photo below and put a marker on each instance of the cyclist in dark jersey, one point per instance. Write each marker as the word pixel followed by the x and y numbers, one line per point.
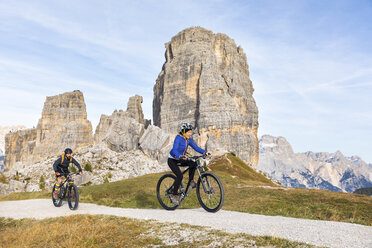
pixel 177 157
pixel 60 167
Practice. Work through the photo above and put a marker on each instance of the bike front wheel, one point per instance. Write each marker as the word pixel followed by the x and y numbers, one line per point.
pixel 210 193
pixel 164 191
pixel 73 197
pixel 57 202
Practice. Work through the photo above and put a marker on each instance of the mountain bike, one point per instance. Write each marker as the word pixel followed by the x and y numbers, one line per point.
pixel 209 189
pixel 67 187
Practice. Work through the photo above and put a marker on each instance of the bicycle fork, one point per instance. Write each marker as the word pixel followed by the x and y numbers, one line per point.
pixel 207 191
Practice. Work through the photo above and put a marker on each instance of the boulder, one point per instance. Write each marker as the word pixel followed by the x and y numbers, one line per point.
pixel 156 143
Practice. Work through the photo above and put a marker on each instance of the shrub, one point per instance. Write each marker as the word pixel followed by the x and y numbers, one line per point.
pixel 16 177
pixel 109 175
pixel 88 167
pixel 42 182
pixel 105 180
pixel 3 179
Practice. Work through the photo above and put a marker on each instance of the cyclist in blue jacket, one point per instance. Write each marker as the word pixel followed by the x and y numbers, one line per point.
pixel 177 157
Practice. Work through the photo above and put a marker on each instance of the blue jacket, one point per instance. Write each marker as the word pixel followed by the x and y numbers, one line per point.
pixel 180 146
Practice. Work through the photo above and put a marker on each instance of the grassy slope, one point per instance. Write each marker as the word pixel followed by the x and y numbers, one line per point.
pixel 245 190
pixel 110 231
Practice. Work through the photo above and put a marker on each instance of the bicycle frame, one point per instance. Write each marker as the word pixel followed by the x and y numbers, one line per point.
pixel 201 171
pixel 68 181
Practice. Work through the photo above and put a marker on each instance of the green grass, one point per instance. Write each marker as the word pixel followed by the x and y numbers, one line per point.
pixel 110 231
pixel 245 191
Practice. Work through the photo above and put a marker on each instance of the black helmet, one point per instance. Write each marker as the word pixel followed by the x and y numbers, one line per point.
pixel 186 127
pixel 68 151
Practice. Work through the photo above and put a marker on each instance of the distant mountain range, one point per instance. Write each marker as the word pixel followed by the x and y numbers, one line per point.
pixel 1 161
pixel 321 170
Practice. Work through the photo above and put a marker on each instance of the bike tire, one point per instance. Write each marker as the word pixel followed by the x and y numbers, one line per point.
pixel 73 197
pixel 212 199
pixel 164 184
pixel 56 202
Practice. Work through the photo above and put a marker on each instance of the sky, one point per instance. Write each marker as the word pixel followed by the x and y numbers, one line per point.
pixel 310 61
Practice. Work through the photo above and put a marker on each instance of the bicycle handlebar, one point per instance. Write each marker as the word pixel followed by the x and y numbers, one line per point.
pixel 70 174
pixel 197 157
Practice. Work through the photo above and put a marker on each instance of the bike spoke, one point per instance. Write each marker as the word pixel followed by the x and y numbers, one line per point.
pixel 211 197
pixel 163 196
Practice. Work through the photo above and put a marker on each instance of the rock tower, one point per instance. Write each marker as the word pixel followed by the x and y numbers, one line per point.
pixel 205 81
pixel 63 124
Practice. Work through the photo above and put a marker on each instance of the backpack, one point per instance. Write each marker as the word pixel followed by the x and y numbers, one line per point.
pixel 63 157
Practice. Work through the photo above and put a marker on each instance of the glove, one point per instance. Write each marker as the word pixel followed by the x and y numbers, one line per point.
pixel 183 157
pixel 81 172
pixel 206 154
pixel 57 173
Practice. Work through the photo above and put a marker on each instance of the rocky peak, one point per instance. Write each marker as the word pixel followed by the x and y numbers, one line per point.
pixel 119 131
pixel 63 124
pixel 67 107
pixel 134 108
pixel 122 130
pixel 279 144
pixel 205 81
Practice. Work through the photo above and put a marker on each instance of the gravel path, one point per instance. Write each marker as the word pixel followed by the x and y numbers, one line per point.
pixel 320 233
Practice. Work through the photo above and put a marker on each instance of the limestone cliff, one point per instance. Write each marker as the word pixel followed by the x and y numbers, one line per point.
pixel 63 124
pixel 19 146
pixel 205 81
pixel 7 129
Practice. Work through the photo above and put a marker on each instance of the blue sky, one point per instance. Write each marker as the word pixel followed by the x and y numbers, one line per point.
pixel 310 61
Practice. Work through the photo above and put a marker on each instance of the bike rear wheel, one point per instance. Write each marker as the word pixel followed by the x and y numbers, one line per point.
pixel 73 197
pixel 58 201
pixel 210 196
pixel 164 190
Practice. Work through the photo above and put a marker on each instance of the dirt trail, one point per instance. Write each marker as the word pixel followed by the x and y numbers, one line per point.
pixel 320 233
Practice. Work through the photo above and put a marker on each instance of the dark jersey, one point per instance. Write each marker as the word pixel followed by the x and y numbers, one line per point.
pixel 63 167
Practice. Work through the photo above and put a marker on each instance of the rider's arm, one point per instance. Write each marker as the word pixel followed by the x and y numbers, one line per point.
pixel 56 163
pixel 77 164
pixel 195 147
pixel 176 144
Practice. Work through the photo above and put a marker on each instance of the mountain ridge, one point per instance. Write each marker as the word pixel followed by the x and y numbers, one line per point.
pixel 322 170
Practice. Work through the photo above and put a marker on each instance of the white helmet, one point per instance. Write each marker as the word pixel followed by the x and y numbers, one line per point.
pixel 186 126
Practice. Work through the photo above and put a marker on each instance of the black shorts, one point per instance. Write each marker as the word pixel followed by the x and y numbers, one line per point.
pixel 62 173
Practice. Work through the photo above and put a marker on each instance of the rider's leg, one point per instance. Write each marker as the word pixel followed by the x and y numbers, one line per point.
pixel 58 184
pixel 176 170
pixel 192 169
